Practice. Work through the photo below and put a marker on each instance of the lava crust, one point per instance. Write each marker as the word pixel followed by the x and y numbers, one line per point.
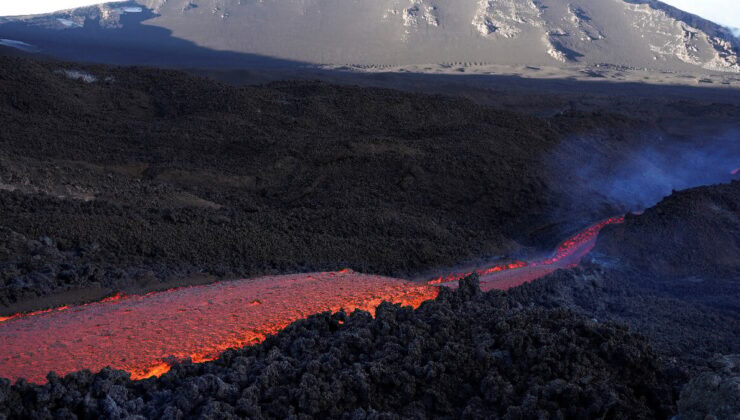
pixel 671 274
pixel 144 334
pixel 465 354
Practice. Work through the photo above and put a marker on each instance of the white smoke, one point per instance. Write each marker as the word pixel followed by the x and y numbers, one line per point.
pixel 641 179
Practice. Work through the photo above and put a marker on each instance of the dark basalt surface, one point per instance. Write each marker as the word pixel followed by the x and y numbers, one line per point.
pixel 548 348
pixel 463 355
pixel 147 179
pixel 688 332
pixel 713 393
pixel 671 274
pixel 691 235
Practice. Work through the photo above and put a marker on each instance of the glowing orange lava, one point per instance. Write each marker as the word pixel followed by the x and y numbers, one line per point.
pixel 144 334
pixel 113 298
pixel 567 254
pixel 482 272
pixel 157 370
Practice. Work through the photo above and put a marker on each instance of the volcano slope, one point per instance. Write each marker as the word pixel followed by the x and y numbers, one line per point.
pixel 472 354
pixel 133 179
pixel 671 274
pixel 462 355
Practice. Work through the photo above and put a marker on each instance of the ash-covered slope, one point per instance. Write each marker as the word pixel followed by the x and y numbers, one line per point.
pixel 697 230
pixel 629 34
pixel 672 274
pixel 463 355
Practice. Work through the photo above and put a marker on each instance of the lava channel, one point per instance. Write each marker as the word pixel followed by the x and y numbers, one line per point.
pixel 569 253
pixel 144 334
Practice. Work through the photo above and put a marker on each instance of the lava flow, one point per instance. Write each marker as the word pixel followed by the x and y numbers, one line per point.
pixel 505 276
pixel 144 334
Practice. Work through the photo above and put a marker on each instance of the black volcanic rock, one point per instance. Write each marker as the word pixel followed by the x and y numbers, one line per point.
pixel 152 171
pixel 463 355
pixel 145 176
pixel 671 274
pixel 694 232
pixel 713 394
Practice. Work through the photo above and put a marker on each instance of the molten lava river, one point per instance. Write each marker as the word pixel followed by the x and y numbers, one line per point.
pixel 144 334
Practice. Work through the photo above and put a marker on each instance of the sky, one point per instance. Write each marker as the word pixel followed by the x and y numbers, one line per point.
pixel 32 7
pixel 724 12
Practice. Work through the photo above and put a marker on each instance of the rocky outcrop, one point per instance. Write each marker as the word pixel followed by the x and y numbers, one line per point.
pixel 714 394
pixel 692 233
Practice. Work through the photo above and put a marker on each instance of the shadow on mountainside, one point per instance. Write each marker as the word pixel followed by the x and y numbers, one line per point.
pixel 133 42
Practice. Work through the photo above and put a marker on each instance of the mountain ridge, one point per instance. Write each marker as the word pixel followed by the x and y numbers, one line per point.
pixel 637 34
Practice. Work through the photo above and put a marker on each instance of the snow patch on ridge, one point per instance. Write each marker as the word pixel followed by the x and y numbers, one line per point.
pixel 78 75
pixel 552 50
pixel 506 18
pixel 725 57
pixel 678 39
pixel 418 13
pixel 19 45
pixel 556 48
pixel 107 15
pixel 584 24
